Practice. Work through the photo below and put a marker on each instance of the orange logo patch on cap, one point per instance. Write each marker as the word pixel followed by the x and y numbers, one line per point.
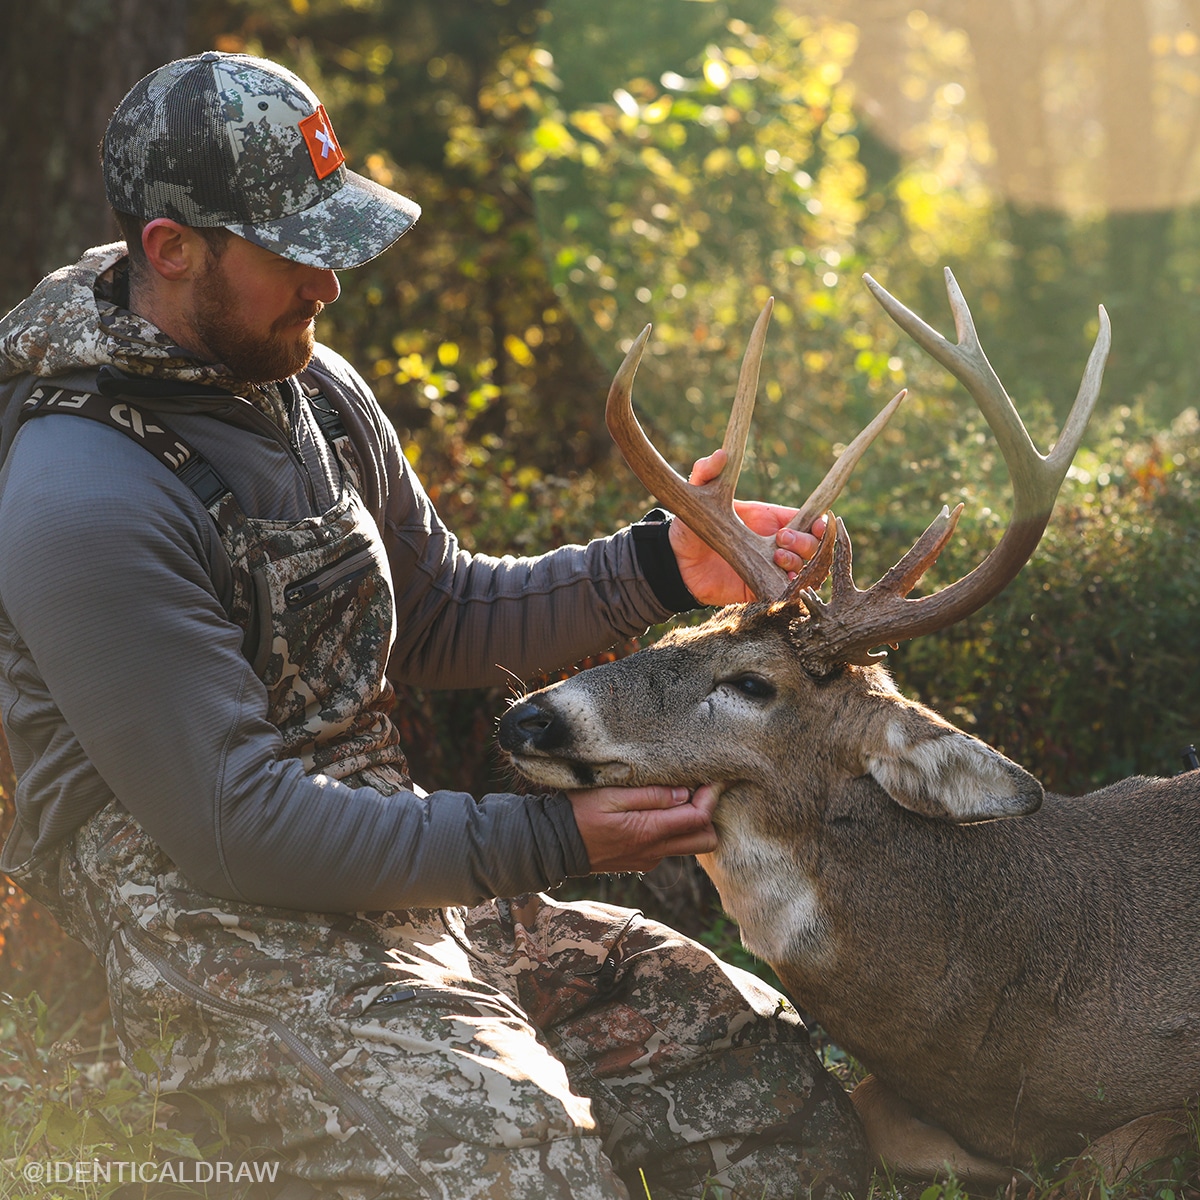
pixel 322 145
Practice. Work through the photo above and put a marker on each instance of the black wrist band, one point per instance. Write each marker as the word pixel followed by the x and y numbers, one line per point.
pixel 652 544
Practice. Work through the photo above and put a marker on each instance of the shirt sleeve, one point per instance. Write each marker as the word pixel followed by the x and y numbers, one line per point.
pixel 470 620
pixel 124 677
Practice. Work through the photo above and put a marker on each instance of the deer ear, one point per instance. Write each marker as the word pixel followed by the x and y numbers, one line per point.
pixel 927 765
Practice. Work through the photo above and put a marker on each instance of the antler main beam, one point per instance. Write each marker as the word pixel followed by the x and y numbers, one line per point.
pixel 853 622
pixel 708 508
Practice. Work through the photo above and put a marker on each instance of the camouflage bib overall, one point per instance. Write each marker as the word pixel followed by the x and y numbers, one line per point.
pixel 520 1050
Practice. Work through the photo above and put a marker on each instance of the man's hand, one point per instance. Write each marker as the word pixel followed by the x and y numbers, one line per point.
pixel 708 576
pixel 634 829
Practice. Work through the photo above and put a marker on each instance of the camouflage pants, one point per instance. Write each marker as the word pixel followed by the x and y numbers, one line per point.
pixel 521 1049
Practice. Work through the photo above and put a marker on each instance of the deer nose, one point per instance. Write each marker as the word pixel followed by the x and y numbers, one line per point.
pixel 530 726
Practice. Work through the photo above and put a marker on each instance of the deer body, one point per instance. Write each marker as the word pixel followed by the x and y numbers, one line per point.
pixel 1025 984
pixel 1032 986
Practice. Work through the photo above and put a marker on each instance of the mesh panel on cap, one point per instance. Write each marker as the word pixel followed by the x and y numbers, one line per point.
pixel 194 157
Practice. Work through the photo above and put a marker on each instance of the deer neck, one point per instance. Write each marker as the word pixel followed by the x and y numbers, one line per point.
pixel 767 881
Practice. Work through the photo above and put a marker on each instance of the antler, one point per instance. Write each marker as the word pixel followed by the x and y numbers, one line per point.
pixel 854 621
pixel 708 508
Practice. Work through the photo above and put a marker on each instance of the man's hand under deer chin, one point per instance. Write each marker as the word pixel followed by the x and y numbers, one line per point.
pixel 634 829
pixel 708 576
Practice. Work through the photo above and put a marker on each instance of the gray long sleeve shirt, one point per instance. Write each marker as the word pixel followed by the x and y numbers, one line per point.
pixel 121 675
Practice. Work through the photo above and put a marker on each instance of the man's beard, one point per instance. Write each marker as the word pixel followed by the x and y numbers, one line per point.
pixel 250 358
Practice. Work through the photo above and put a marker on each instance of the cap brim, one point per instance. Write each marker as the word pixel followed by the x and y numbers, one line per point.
pixel 354 225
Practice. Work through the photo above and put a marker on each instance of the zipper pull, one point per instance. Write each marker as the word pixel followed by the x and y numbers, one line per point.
pixel 300 591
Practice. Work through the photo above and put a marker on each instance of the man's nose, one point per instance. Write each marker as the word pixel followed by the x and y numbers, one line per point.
pixel 320 284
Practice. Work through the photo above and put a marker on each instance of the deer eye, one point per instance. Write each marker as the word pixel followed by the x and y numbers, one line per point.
pixel 753 686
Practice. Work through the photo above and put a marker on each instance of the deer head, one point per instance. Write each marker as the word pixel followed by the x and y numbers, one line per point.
pixel 789 687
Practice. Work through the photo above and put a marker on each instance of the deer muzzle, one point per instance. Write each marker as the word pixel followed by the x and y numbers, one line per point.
pixel 537 737
pixel 531 728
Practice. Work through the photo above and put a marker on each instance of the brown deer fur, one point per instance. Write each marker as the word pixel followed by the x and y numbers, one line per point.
pixel 1027 984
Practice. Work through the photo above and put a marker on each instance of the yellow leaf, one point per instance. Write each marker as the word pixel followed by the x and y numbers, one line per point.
pixel 590 122
pixel 658 111
pixel 719 161
pixel 716 73
pixel 553 137
pixel 518 351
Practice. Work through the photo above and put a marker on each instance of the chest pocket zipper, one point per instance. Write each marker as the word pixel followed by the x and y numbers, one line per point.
pixel 260 633
pixel 341 571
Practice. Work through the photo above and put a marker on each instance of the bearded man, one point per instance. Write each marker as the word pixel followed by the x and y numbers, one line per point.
pixel 214 561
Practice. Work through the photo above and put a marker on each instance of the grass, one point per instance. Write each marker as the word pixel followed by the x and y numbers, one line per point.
pixel 63 1103
pixel 66 1102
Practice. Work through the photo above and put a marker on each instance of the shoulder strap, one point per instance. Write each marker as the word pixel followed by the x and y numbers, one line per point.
pixel 330 422
pixel 147 429
pixel 178 455
pixel 155 435
pixel 174 452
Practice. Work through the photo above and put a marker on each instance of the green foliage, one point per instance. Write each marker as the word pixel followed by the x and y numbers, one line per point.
pixel 1084 667
pixel 951 1189
pixel 691 200
pixel 61 1105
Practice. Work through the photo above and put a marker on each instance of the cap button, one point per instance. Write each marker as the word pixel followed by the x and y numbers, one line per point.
pixel 210 56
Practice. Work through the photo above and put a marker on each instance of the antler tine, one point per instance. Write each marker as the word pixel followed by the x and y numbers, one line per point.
pixel 737 431
pixel 813 573
pixel 907 573
pixel 708 508
pixel 1036 478
pixel 828 490
pixel 882 613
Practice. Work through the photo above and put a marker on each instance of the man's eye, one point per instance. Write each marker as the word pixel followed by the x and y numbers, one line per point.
pixel 754 686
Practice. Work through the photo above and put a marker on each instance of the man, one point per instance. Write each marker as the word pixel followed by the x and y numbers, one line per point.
pixel 213 559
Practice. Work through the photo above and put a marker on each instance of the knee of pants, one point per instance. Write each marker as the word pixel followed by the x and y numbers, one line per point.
pixel 472 1069
pixel 451 1059
pixel 817 1151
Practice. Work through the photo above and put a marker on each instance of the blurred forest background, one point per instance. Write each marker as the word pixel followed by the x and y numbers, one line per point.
pixel 585 168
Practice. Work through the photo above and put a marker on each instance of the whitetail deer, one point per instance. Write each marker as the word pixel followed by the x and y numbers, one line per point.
pixel 1018 988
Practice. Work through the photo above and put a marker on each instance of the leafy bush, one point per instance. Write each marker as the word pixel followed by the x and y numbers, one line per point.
pixel 1084 669
pixel 61 1104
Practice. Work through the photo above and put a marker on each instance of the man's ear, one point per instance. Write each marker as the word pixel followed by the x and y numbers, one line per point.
pixel 173 251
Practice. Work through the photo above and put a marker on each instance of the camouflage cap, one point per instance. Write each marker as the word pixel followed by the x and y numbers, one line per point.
pixel 236 141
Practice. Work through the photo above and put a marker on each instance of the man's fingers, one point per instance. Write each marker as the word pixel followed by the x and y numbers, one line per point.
pixel 631 829
pixel 695 834
pixel 793 549
pixel 704 799
pixel 673 836
pixel 708 467
pixel 703 841
pixel 680 820
pixel 643 799
pixel 673 800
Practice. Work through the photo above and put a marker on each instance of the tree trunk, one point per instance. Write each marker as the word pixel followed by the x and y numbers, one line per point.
pixel 1009 44
pixel 65 64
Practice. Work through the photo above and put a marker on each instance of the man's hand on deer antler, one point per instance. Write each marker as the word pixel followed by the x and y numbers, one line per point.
pixel 708 576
